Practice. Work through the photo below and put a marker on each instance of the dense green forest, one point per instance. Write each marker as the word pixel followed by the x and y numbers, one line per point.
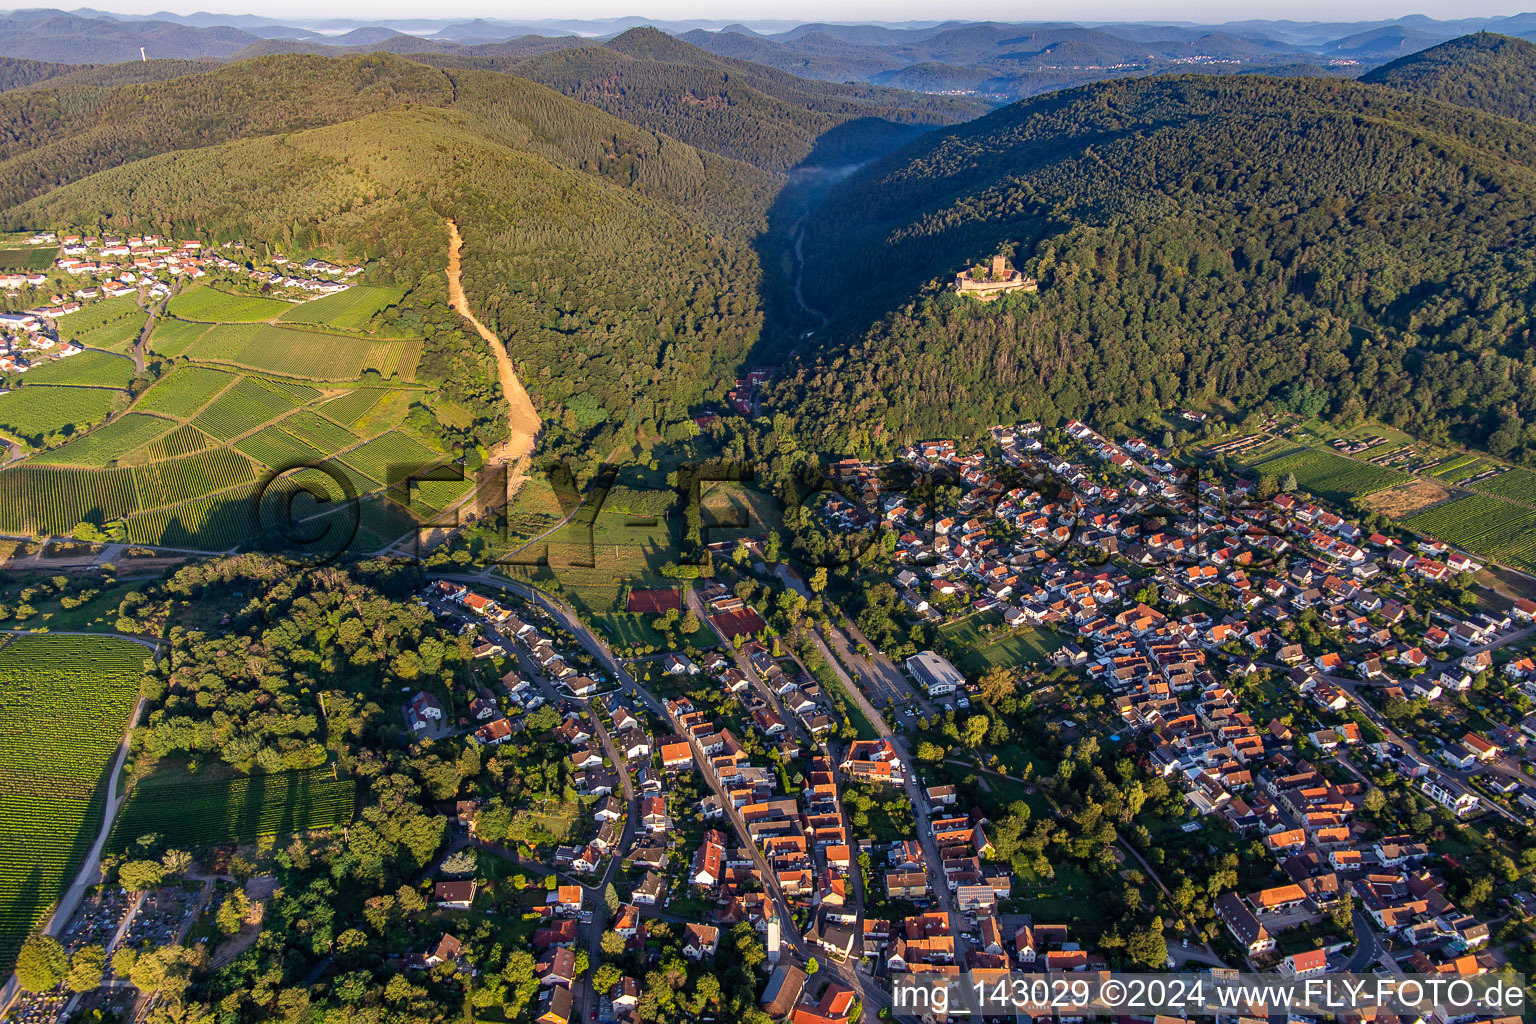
pixel 50 136
pixel 1486 71
pixel 19 73
pixel 744 111
pixel 1257 241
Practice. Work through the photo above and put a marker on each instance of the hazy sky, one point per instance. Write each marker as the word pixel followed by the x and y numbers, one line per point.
pixel 1204 11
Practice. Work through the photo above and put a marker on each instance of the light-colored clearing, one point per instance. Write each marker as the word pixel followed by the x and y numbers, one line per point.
pixel 1397 502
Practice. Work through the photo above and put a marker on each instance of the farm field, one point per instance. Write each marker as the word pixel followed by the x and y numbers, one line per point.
pixel 35 412
pixel 210 524
pixel 107 444
pixel 292 352
pixel 183 440
pixel 275 448
pixel 53 499
pixel 1332 477
pixel 1458 467
pixel 86 370
pixel 210 305
pixel 317 431
pixel 176 480
pixel 596 565
pixel 64 703
pixel 349 310
pixel 189 812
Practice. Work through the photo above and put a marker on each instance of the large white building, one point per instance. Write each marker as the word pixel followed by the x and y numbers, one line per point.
pixel 934 674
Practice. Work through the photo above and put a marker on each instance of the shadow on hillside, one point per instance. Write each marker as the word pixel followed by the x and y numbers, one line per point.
pixel 789 321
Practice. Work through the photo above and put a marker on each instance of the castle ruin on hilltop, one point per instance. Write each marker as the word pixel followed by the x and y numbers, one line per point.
pixel 985 283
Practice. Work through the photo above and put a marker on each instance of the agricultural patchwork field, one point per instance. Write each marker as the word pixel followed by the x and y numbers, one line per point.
pixel 309 355
pixel 64 703
pixel 111 324
pixel 349 310
pixel 391 457
pixel 212 306
pixel 208 524
pixel 350 407
pixel 182 466
pixel 1332 477
pixel 46 500
pixel 42 499
pixel 188 813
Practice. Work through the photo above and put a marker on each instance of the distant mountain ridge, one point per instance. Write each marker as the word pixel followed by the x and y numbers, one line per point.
pixel 997 59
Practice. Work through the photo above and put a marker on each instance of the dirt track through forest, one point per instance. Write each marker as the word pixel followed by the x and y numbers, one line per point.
pixel 522 420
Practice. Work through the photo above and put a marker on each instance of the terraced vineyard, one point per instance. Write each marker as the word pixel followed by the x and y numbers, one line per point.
pixel 109 443
pixel 184 391
pixel 350 310
pixel 309 355
pixel 88 370
pixel 212 306
pixel 1332 477
pixel 188 813
pixel 1490 527
pixel 37 411
pixel 64 703
pixel 1515 484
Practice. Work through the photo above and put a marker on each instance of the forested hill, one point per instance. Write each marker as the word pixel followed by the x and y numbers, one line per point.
pixel 1249 239
pixel 53 135
pixel 1486 71
pixel 620 260
pixel 745 111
